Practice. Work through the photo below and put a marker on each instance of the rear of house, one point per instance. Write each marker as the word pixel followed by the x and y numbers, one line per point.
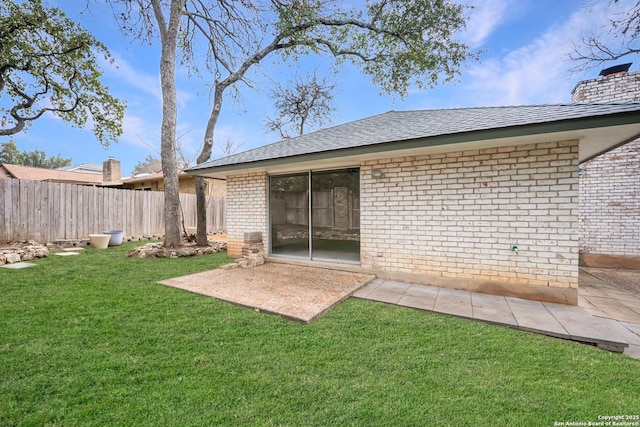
pixel 484 199
pixel 610 184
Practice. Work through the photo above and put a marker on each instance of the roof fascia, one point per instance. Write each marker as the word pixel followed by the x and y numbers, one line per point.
pixel 440 140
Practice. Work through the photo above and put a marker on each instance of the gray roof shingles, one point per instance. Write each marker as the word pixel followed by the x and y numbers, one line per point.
pixel 396 126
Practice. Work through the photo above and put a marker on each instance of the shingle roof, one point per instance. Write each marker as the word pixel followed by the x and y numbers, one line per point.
pixel 90 167
pixel 395 126
pixel 40 174
pixel 158 176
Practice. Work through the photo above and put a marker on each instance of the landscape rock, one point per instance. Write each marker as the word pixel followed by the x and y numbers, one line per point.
pixel 252 256
pixel 12 258
pixel 156 250
pixel 26 250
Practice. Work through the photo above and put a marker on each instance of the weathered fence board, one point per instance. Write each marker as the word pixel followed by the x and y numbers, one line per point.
pixel 49 211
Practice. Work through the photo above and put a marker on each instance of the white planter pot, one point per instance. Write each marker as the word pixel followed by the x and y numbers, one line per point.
pixel 99 241
pixel 191 230
pixel 116 237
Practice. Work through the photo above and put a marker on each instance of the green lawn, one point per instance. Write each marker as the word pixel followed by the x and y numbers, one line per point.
pixel 93 340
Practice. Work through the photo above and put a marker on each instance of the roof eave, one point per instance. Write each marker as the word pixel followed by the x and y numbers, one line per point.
pixel 506 133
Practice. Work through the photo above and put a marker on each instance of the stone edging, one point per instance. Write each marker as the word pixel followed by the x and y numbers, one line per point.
pixel 26 250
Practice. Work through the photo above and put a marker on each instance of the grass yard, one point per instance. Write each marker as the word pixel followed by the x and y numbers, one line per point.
pixel 92 340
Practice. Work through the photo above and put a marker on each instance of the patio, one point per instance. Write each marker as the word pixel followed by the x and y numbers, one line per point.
pixel 295 292
pixel 305 293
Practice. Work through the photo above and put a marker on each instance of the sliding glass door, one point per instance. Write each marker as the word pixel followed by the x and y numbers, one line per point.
pixel 335 214
pixel 316 215
pixel 289 214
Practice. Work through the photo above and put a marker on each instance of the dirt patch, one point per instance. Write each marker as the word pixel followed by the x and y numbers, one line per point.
pixel 301 293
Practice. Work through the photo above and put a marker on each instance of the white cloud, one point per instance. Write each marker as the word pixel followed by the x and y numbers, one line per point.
pixel 483 19
pixel 538 72
pixel 129 76
pixel 138 132
pixel 147 82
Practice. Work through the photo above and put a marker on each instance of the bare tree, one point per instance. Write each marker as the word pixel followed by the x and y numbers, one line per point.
pixel 619 39
pixel 149 165
pixel 144 19
pixel 230 147
pixel 307 102
pixel 397 42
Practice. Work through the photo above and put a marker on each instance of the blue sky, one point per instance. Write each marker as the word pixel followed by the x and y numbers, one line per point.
pixel 526 43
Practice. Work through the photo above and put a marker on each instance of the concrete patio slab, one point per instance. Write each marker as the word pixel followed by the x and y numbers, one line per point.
pixel 581 326
pixel 19 265
pixel 555 320
pixel 364 291
pixel 633 351
pixel 422 297
pixel 390 291
pixel 533 316
pixel 624 310
pixel 66 253
pixel 634 329
pixel 455 302
pixel 492 308
pixel 498 317
pixel 295 292
pixel 610 293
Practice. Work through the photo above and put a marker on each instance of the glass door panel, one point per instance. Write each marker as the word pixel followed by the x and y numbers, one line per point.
pixel 289 214
pixel 335 215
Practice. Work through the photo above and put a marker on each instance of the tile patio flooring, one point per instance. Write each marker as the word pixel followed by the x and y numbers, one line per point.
pixel 557 320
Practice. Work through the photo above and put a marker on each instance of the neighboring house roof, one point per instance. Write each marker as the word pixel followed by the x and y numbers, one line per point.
pixel 158 176
pixel 90 167
pixel 465 127
pixel 143 177
pixel 40 174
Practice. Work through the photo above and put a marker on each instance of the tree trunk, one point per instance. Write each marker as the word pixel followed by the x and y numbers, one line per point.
pixel 169 37
pixel 201 212
pixel 205 154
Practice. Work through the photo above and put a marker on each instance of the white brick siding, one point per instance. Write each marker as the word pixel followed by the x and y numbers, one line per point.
pixel 615 88
pixel 610 203
pixel 246 209
pixel 610 183
pixel 459 214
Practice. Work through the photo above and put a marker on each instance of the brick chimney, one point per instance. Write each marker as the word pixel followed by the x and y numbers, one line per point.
pixel 617 86
pixel 111 171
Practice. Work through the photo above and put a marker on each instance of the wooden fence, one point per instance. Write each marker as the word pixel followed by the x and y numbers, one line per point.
pixel 49 211
pixel 292 207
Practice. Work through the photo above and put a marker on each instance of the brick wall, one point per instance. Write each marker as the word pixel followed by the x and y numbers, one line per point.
pixel 246 208
pixel 623 87
pixel 459 214
pixel 610 203
pixel 610 183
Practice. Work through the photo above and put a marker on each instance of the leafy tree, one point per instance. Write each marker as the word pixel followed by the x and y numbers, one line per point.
pixel 619 39
pixel 149 165
pixel 307 101
pixel 398 43
pixel 9 153
pixel 48 63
